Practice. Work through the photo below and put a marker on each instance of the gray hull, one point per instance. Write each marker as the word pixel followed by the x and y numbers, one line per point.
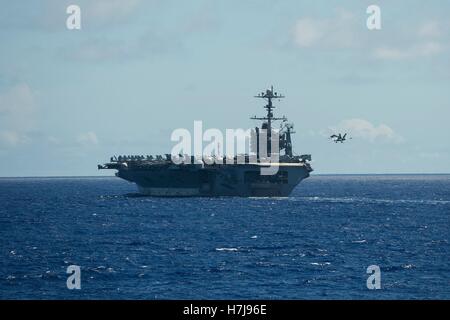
pixel 217 180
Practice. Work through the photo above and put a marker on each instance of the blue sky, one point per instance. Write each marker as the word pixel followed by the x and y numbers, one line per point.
pixel 137 70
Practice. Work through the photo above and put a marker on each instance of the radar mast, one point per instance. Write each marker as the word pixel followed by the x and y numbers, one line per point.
pixel 269 95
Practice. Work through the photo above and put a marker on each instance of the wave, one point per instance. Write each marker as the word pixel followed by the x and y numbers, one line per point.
pixel 268 198
pixel 371 200
pixel 359 241
pixel 227 249
pixel 321 264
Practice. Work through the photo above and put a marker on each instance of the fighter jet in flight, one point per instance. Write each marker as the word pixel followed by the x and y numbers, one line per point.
pixel 339 138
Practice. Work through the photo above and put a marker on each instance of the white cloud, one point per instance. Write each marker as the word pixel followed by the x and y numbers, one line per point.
pixel 12 138
pixel 148 45
pixel 53 140
pixel 363 129
pixel 336 32
pixel 98 50
pixel 17 108
pixel 18 99
pixel 87 138
pixel 308 32
pixel 50 15
pixel 205 20
pixel 430 155
pixel 106 11
pixel 429 48
pixel 416 51
pixel 430 29
pixel 344 31
pixel 428 41
pixel 390 53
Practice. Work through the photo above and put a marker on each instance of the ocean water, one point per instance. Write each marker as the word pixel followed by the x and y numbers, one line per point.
pixel 316 244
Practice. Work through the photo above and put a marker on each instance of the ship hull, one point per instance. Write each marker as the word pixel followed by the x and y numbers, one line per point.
pixel 217 180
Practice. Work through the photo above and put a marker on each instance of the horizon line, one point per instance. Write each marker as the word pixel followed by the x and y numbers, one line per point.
pixel 318 174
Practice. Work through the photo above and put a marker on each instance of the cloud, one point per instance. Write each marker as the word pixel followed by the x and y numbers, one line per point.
pixel 98 50
pixel 87 138
pixel 158 44
pixel 155 42
pixel 336 32
pixel 203 21
pixel 431 29
pixel 53 140
pixel 108 11
pixel 430 155
pixel 17 99
pixel 416 51
pixel 428 40
pixel 344 30
pixel 12 138
pixel 50 15
pixel 308 32
pixel 17 110
pixel 363 129
pixel 148 45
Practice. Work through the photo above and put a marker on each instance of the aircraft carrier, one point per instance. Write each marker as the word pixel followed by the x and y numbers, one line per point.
pixel 232 176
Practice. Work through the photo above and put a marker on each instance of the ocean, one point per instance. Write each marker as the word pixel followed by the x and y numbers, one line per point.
pixel 315 244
